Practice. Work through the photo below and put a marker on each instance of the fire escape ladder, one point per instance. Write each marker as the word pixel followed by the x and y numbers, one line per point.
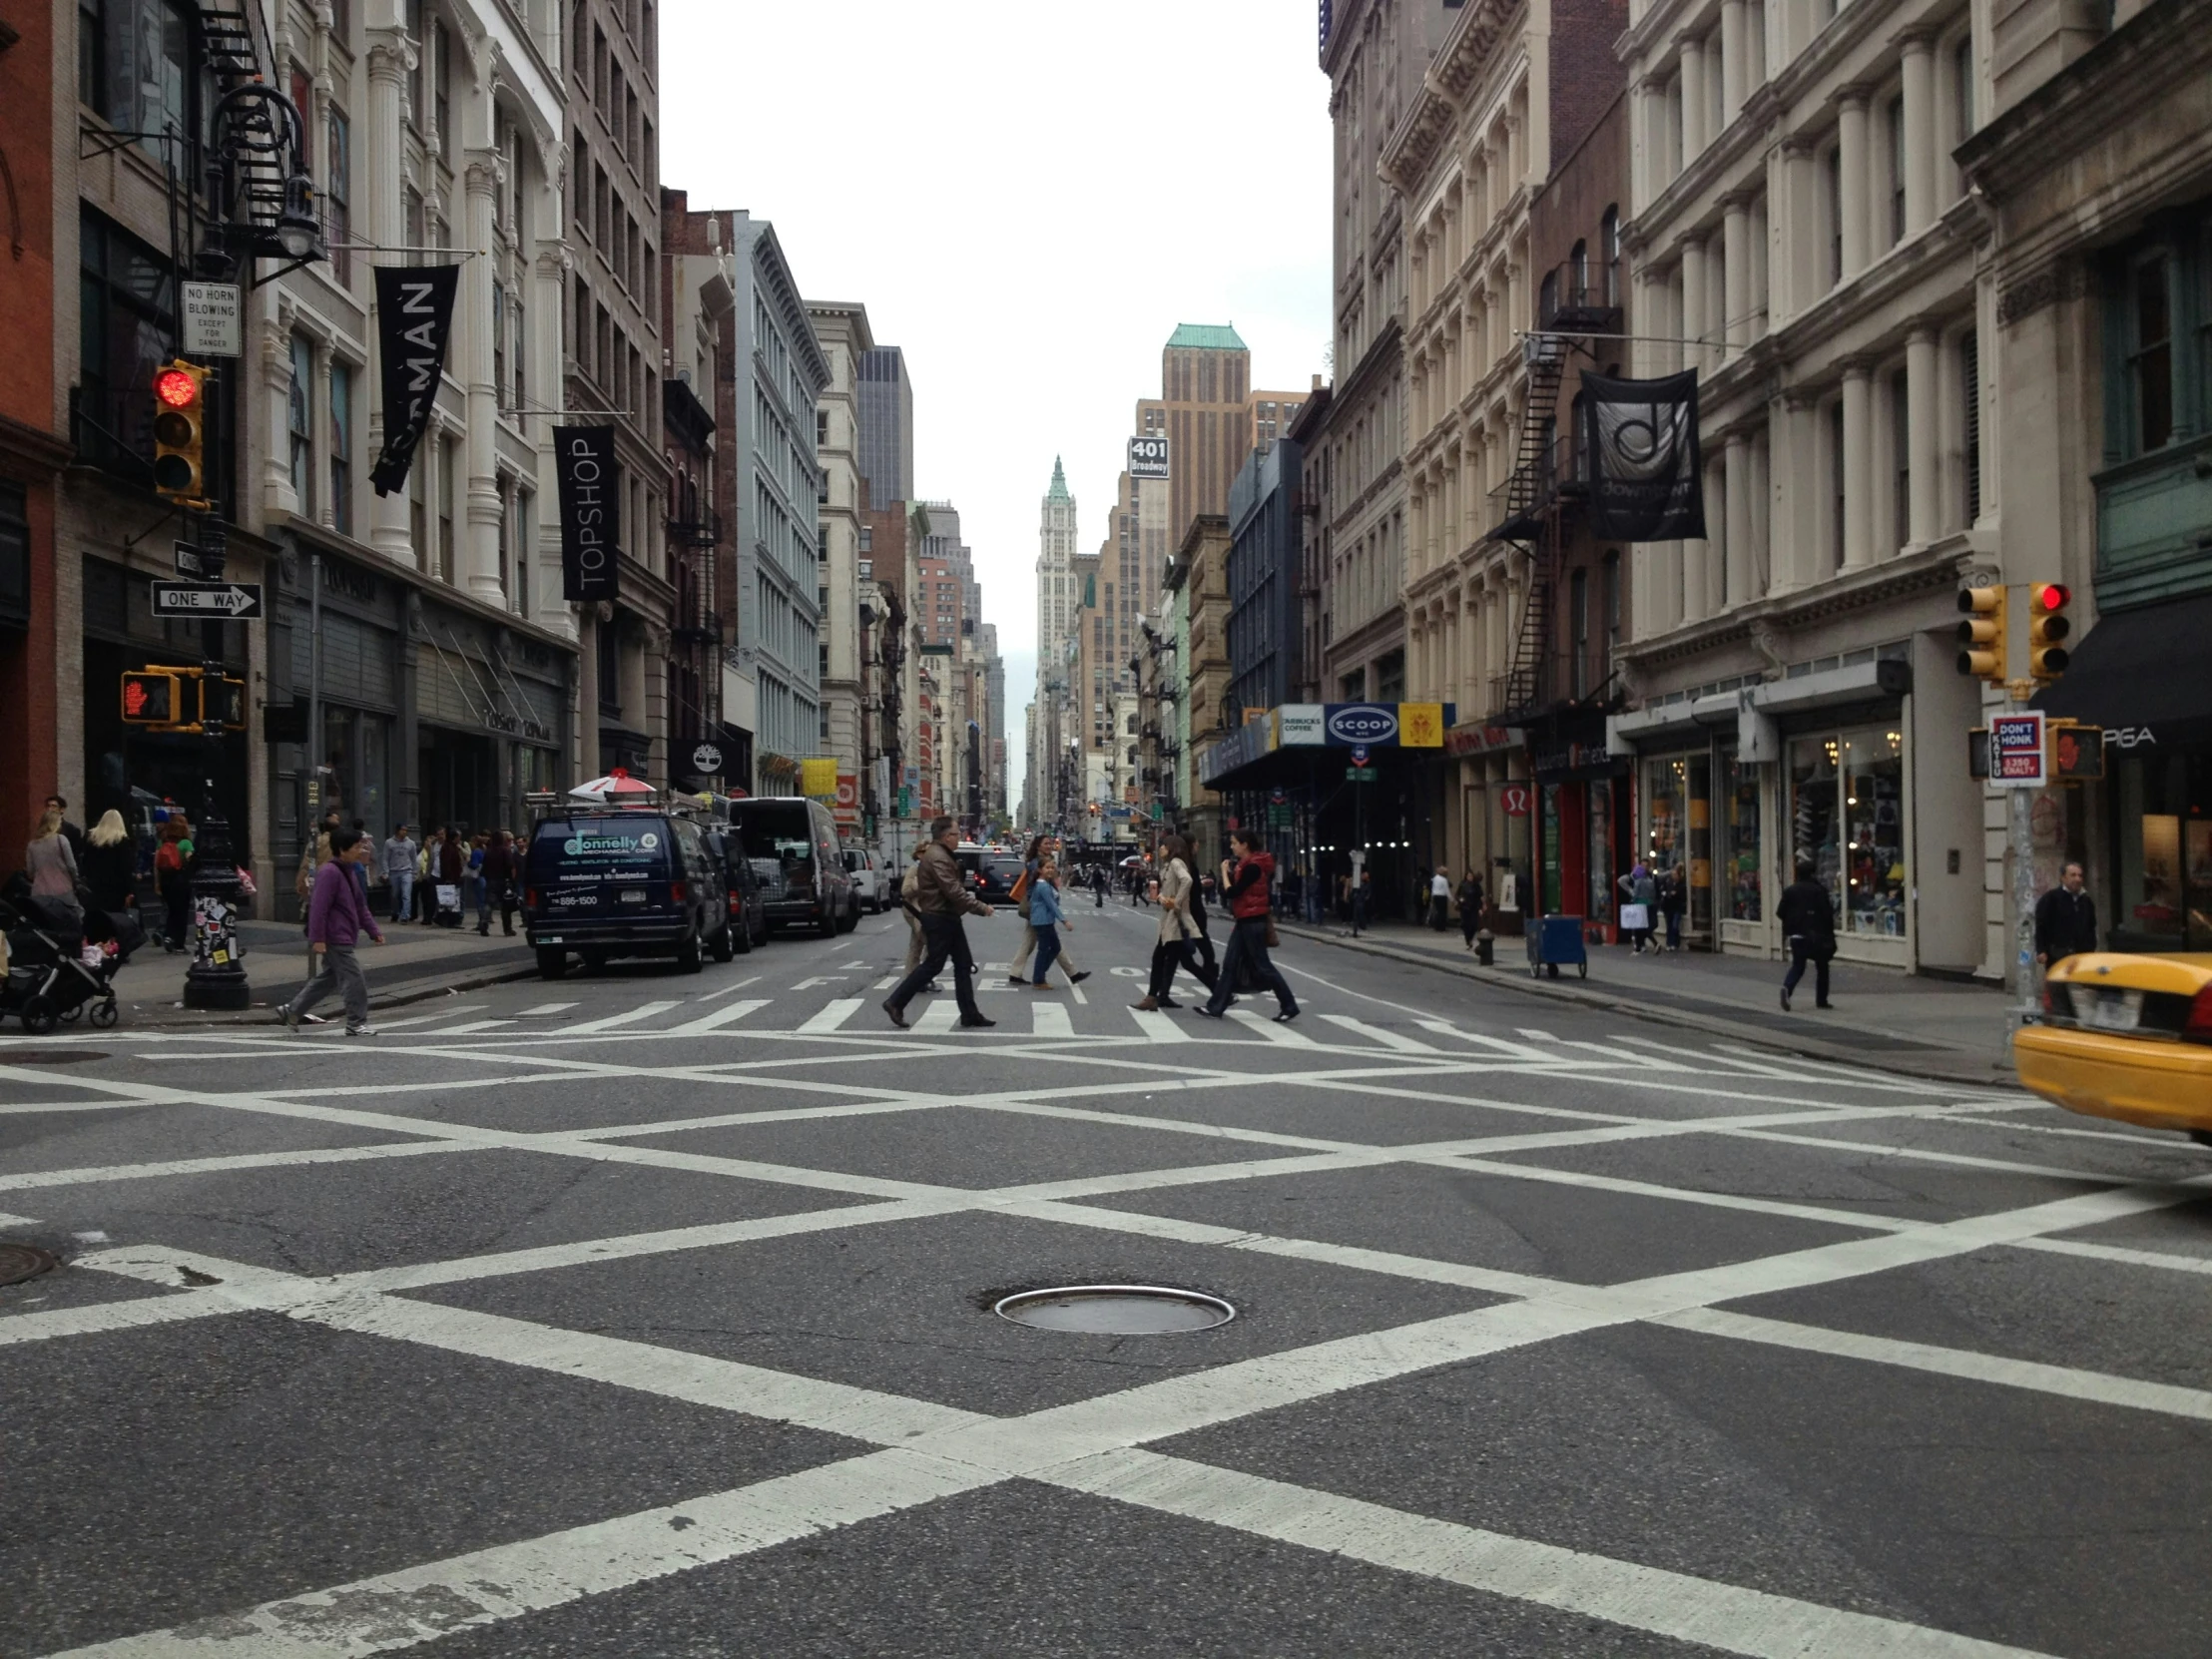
pixel 233 48
pixel 1524 682
pixel 1545 355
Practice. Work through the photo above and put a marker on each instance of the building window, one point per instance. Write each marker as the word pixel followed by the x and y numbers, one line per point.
pixel 299 423
pixel 1901 449
pixel 1969 386
pixel 415 75
pixel 1612 604
pixel 342 448
pixel 127 318
pixel 1961 85
pixel 337 195
pixel 2150 368
pixel 1836 481
pixel 448 464
pixel 1896 169
pixel 442 81
pixel 1578 271
pixel 136 67
pixel 1835 208
pixel 1579 622
pixel 1609 250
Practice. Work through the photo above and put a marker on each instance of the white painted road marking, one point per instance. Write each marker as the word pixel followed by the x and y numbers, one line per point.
pixel 832 1015
pixel 1158 1026
pixel 727 1014
pixel 629 1016
pixel 1049 1020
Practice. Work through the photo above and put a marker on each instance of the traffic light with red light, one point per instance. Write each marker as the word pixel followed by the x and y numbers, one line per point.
pixel 1981 634
pixel 2047 625
pixel 179 432
pixel 152 696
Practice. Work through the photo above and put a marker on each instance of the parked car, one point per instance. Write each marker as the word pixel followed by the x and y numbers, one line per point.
pixel 601 883
pixel 2125 1036
pixel 991 874
pixel 794 843
pixel 745 887
pixel 870 884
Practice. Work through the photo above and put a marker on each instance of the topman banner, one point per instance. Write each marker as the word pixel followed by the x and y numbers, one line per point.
pixel 1646 479
pixel 584 467
pixel 414 316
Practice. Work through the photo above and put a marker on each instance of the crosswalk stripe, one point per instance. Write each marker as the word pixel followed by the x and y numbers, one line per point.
pixel 1049 1020
pixel 629 1016
pixel 1375 1033
pixel 545 1008
pixel 1269 1030
pixel 938 1016
pixel 727 1014
pixel 1158 1027
pixel 833 1013
pixel 1518 1051
pixel 426 1019
pixel 472 1025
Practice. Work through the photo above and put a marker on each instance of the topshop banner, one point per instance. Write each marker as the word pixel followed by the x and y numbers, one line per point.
pixel 1646 476
pixel 584 465
pixel 414 317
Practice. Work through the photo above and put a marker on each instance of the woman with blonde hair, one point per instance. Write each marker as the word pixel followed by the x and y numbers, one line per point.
pixel 111 865
pixel 52 865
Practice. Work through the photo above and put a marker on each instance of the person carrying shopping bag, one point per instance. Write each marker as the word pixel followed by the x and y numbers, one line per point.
pixel 1639 892
pixel 337 915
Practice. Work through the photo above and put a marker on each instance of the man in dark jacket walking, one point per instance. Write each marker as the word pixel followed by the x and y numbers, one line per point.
pixel 499 884
pixel 1809 924
pixel 2066 920
pixel 941 897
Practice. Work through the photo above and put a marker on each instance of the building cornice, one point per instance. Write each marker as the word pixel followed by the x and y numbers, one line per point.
pixel 1464 55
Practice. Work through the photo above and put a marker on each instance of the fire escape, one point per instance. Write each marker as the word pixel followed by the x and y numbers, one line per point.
pixel 1548 474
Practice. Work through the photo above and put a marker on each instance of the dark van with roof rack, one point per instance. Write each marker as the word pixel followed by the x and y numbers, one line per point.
pixel 600 883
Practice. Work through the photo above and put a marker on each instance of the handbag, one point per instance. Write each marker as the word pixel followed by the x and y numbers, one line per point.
pixel 1635 919
pixel 1274 939
pixel 449 896
pixel 1021 890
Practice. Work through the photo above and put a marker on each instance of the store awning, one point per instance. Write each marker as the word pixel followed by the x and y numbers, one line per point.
pixel 2147 672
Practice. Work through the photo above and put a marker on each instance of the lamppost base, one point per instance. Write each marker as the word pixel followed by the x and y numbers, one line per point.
pixel 218 989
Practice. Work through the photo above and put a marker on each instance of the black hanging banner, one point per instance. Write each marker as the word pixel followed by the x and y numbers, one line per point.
pixel 584 464
pixel 1646 478
pixel 414 316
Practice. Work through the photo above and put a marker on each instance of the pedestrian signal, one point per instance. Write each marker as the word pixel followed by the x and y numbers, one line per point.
pixel 151 698
pixel 1981 634
pixel 2047 626
pixel 179 432
pixel 2077 750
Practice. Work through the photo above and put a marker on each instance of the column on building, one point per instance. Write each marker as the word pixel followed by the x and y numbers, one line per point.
pixel 1737 545
pixel 1736 260
pixel 1920 131
pixel 1858 465
pixel 1735 76
pixel 1694 103
pixel 482 179
pixel 549 297
pixel 390 56
pixel 1854 162
pixel 1694 308
pixel 1924 480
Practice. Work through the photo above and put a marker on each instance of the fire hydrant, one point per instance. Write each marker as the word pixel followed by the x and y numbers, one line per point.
pixel 1485 948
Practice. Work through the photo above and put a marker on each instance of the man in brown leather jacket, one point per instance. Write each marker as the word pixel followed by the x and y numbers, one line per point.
pixel 942 899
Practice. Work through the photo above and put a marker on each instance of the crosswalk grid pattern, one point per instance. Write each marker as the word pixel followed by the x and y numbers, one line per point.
pixel 927 1452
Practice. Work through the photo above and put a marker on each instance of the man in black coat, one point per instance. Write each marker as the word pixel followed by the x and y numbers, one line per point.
pixel 1809 924
pixel 2066 920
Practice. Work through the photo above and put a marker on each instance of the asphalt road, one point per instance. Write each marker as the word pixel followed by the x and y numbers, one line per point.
pixel 648 1313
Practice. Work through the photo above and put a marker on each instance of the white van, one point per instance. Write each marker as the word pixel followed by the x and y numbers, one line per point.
pixel 871 889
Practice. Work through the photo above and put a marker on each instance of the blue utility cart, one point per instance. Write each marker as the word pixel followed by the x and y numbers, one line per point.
pixel 1554 942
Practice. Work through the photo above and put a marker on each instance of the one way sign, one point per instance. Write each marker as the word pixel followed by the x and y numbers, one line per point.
pixel 238 600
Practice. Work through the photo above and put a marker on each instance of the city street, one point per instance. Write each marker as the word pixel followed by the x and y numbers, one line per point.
pixel 649 1314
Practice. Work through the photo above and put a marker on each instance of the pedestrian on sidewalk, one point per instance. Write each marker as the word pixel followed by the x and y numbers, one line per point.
pixel 53 868
pixel 427 863
pixel 2066 920
pixel 1245 884
pixel 70 833
pixel 1179 936
pixel 1639 892
pixel 401 852
pixel 1045 919
pixel 1809 922
pixel 1439 900
pixel 337 915
pixel 1470 908
pixel 498 886
pixel 478 845
pixel 1042 850
pixel 915 943
pixel 942 899
pixel 453 866
pixel 109 865
pixel 171 861
pixel 1363 890
pixel 1671 898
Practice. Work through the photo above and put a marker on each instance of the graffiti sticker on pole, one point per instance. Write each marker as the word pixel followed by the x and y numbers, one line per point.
pixel 2017 751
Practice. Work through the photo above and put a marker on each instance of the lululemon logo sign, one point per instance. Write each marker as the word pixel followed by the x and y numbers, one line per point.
pixel 1355 723
pixel 1514 798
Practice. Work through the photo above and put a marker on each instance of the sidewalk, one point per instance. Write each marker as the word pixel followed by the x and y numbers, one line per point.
pixel 1893 1022
pixel 415 964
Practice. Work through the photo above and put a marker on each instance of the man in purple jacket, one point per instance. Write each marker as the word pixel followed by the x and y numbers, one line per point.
pixel 337 915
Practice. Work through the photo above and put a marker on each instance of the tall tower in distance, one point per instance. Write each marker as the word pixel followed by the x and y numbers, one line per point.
pixel 1056 598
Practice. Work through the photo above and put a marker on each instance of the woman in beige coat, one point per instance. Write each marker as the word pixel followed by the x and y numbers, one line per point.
pixel 1177 942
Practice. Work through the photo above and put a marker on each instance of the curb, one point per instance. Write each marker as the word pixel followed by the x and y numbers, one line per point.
pixel 1811 1048
pixel 394 997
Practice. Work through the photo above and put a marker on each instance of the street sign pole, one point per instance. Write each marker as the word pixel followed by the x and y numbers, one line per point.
pixel 216 977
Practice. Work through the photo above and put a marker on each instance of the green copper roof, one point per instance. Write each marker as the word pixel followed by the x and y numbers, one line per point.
pixel 1206 336
pixel 1059 489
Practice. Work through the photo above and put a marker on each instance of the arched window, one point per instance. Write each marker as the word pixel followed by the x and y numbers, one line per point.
pixel 1609 251
pixel 1578 265
pixel 1547 300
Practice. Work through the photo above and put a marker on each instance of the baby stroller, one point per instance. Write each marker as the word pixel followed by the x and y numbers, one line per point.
pixel 51 972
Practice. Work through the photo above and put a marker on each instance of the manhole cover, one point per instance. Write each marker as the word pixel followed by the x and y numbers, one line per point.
pixel 1115 1309
pixel 19 1261
pixel 50 1056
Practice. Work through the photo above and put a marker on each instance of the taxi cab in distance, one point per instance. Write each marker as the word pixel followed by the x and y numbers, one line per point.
pixel 2126 1037
pixel 601 884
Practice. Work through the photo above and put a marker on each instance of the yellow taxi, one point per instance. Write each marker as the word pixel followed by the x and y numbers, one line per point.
pixel 2127 1038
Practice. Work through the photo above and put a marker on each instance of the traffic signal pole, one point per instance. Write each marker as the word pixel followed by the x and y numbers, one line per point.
pixel 216 977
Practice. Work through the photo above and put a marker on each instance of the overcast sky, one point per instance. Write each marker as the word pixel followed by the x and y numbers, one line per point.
pixel 1028 196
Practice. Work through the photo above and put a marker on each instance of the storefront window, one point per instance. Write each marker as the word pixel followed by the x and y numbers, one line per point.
pixel 1873 806
pixel 1551 866
pixel 2164 826
pixel 1740 859
pixel 1678 829
pixel 1601 852
pixel 1812 817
